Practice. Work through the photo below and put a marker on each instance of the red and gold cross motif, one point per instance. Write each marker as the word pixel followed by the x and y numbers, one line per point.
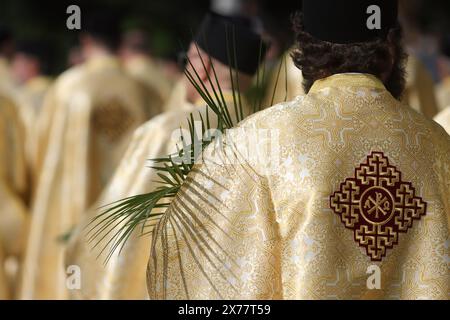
pixel 377 205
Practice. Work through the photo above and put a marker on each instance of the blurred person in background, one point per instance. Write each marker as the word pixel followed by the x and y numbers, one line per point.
pixel 420 70
pixel 75 56
pixel 284 80
pixel 136 56
pixel 443 88
pixel 123 276
pixel 14 187
pixel 420 88
pixel 86 122
pixel 171 67
pixel 443 92
pixel 7 47
pixel 30 71
pixel 13 192
pixel 443 118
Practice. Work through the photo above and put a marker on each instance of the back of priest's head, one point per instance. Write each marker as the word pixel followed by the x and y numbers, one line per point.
pixel 352 36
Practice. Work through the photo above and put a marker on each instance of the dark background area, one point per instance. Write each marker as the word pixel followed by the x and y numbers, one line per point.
pixel 169 22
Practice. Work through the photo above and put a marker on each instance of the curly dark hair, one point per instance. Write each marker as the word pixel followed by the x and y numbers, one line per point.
pixel 320 59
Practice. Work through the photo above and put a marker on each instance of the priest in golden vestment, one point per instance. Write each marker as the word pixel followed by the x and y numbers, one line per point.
pixel 353 183
pixel 420 89
pixel 29 69
pixel 13 188
pixel 7 50
pixel 123 275
pixel 7 47
pixel 285 81
pixel 135 55
pixel 443 118
pixel 443 88
pixel 443 93
pixel 87 121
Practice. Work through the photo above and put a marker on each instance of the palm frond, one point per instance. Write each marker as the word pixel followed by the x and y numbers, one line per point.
pixel 114 225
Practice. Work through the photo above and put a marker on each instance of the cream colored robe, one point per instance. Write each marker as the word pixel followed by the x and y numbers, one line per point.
pixel 443 94
pixel 285 82
pixel 13 186
pixel 5 74
pixel 177 97
pixel 157 88
pixel 31 96
pixel 443 118
pixel 420 89
pixel 87 121
pixel 123 277
pixel 4 290
pixel 349 181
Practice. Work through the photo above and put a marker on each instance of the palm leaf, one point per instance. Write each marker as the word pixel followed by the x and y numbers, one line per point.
pixel 114 225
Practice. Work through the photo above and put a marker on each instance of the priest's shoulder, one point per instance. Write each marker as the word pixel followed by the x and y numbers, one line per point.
pixel 71 77
pixel 435 134
pixel 278 115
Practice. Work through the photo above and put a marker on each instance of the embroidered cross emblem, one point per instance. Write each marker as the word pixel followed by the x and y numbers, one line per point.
pixel 377 205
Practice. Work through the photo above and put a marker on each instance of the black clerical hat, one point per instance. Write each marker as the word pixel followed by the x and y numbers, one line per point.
pixel 232 41
pixel 349 21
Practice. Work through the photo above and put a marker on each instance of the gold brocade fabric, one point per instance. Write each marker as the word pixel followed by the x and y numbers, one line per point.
pixel 13 187
pixel 123 277
pixel 338 182
pixel 86 122
pixel 443 94
pixel 443 118
pixel 420 89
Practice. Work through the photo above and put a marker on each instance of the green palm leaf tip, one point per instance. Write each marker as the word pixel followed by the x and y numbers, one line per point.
pixel 117 222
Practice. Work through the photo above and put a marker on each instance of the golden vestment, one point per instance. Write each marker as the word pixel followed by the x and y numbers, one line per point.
pixel 86 123
pixel 420 89
pixel 443 94
pixel 4 290
pixel 5 74
pixel 156 87
pixel 178 96
pixel 31 96
pixel 351 180
pixel 123 277
pixel 13 185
